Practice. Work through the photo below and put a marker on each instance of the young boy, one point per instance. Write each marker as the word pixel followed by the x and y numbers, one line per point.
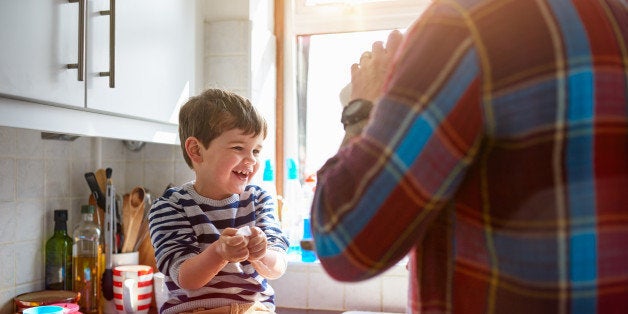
pixel 216 238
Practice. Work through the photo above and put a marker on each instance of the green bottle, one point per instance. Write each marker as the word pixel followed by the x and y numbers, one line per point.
pixel 59 255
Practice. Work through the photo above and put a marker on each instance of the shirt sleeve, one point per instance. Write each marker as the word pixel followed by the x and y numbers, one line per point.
pixel 172 236
pixel 266 219
pixel 378 195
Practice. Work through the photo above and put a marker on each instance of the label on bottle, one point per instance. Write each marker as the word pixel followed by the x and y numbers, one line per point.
pixel 54 277
pixel 55 272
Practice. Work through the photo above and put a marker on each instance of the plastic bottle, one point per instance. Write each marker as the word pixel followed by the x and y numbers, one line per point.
pixel 309 186
pixel 86 266
pixel 59 255
pixel 268 184
pixel 307 256
pixel 291 214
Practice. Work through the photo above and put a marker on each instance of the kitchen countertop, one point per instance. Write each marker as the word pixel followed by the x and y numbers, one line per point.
pixel 279 310
pixel 282 310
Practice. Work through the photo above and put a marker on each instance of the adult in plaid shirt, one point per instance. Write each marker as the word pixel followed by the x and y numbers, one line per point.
pixel 497 157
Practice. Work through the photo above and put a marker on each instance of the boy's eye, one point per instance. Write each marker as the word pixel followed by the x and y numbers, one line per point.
pixel 256 152
pixel 237 148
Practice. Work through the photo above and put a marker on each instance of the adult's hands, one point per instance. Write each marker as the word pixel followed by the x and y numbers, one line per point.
pixel 369 75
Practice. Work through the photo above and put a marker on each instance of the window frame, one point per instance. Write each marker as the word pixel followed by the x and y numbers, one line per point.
pixel 340 18
pixel 294 18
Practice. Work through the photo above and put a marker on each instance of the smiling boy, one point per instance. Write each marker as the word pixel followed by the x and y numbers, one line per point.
pixel 209 266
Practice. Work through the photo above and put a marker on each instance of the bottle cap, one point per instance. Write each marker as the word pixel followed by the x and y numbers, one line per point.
pixel 311 179
pixel 61 215
pixel 87 209
pixel 268 171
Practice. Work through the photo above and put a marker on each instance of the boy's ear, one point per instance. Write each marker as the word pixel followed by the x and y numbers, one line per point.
pixel 193 149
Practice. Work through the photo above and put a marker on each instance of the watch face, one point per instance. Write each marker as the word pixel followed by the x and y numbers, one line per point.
pixel 357 110
pixel 353 107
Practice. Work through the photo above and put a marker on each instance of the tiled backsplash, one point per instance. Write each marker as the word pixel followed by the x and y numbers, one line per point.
pixel 307 286
pixel 38 176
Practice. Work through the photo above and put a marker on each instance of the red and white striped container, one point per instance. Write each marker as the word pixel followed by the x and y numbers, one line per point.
pixel 132 288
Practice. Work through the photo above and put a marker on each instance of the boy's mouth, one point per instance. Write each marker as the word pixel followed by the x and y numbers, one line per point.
pixel 242 174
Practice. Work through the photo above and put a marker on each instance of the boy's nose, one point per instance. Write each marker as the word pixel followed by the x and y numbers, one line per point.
pixel 250 160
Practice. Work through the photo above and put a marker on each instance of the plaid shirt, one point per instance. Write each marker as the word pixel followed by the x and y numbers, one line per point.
pixel 497 157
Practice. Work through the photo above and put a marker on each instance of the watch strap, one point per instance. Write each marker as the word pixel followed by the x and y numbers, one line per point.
pixel 363 112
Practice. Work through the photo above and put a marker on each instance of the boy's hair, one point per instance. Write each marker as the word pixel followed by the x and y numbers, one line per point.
pixel 215 111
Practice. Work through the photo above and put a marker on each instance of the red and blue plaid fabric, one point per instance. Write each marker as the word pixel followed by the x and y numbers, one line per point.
pixel 497 157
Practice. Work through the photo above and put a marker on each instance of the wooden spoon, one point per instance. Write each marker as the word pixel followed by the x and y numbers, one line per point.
pixel 132 214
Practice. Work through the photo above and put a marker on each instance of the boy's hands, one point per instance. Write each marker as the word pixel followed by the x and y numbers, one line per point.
pixel 232 247
pixel 247 244
pixel 257 244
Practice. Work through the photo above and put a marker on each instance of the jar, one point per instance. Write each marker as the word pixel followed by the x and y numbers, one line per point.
pixel 44 297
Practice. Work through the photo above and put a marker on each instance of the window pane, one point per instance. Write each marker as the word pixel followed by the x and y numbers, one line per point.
pixel 329 64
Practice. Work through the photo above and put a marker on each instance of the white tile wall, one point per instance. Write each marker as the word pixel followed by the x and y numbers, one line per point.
pixel 227 55
pixel 307 286
pixel 38 176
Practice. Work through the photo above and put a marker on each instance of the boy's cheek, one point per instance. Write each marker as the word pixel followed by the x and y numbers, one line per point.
pixel 255 168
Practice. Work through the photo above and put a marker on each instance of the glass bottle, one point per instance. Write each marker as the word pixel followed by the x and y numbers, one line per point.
pixel 59 255
pixel 86 266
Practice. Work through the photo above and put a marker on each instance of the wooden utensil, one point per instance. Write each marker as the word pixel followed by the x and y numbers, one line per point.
pixel 132 215
pixel 147 254
pixel 101 178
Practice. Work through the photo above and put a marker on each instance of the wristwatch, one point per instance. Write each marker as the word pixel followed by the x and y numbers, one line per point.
pixel 356 111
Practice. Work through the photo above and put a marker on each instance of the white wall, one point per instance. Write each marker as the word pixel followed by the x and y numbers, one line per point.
pixel 240 55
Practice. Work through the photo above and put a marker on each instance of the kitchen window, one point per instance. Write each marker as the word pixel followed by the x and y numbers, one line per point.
pixel 322 38
pixel 318 40
pixel 323 63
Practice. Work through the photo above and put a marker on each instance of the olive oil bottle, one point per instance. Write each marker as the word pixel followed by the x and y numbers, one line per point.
pixel 85 262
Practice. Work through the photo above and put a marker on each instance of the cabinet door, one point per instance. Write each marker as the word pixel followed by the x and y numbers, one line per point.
pixel 154 58
pixel 39 38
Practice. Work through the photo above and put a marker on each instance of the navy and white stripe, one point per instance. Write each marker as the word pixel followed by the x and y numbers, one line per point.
pixel 184 223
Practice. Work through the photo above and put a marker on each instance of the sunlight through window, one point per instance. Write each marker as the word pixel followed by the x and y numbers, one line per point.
pixel 328 62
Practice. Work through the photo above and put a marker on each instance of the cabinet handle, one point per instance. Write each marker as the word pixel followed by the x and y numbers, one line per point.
pixel 81 40
pixel 112 43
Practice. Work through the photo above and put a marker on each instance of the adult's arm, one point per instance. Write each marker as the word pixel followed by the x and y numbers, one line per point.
pixel 378 195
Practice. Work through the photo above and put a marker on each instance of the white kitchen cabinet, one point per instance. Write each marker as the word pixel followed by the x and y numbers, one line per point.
pixel 154 60
pixel 39 38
